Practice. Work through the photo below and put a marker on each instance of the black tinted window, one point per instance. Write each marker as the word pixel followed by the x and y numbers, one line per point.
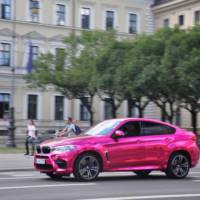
pixel 131 129
pixel 149 128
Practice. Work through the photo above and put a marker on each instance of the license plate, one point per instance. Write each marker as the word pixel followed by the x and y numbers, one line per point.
pixel 40 161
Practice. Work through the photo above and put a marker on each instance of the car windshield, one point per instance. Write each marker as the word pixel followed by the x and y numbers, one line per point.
pixel 103 128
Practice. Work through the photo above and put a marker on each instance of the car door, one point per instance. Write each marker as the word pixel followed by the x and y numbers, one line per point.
pixel 126 152
pixel 156 138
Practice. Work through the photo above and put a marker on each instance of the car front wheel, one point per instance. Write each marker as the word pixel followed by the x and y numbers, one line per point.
pixel 87 167
pixel 178 166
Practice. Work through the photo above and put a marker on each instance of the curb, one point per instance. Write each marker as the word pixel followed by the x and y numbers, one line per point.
pixel 17 170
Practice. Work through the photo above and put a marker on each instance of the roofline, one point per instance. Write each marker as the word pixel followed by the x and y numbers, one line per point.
pixel 169 4
pixel 145 120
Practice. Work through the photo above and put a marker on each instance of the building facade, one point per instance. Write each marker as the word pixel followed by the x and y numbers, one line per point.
pixel 182 13
pixel 42 25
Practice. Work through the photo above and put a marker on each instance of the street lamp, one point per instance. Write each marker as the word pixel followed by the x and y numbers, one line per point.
pixel 11 127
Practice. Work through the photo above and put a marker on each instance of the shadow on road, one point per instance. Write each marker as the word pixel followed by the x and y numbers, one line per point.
pixel 121 178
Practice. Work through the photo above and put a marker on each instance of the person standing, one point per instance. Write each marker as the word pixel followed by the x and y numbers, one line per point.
pixel 31 137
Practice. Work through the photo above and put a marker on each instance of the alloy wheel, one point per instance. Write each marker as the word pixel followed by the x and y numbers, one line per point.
pixel 180 166
pixel 87 167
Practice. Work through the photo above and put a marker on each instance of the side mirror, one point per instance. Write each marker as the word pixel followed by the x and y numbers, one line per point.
pixel 118 134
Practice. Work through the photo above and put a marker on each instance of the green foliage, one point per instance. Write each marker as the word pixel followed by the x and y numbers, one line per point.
pixel 73 70
pixel 162 68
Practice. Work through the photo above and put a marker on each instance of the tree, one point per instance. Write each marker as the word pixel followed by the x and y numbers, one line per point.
pixel 159 78
pixel 139 55
pixel 76 76
pixel 189 70
pixel 109 67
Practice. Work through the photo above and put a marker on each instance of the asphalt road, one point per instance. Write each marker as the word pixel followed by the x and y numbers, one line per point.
pixel 109 186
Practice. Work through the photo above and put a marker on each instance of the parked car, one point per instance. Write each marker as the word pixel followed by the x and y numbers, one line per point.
pixel 130 144
pixel 46 135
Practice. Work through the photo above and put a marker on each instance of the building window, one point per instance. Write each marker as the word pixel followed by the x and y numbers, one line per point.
pixel 4 104
pixel 109 20
pixel 85 18
pixel 197 17
pixel 107 109
pixel 84 114
pixel 181 20
pixel 132 23
pixel 60 15
pixel 166 23
pixel 6 9
pixel 5 54
pixel 32 106
pixel 34 10
pixel 59 107
pixel 35 52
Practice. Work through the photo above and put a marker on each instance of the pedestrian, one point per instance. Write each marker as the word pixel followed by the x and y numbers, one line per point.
pixel 69 129
pixel 31 137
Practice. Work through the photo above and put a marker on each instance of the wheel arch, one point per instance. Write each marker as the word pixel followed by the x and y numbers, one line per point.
pixel 93 152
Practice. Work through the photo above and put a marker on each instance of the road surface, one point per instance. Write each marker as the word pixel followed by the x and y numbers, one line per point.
pixel 109 186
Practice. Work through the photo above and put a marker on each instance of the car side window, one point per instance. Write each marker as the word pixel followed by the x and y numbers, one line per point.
pixel 131 129
pixel 150 128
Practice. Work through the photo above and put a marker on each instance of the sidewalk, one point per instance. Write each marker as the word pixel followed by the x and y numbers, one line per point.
pixel 16 162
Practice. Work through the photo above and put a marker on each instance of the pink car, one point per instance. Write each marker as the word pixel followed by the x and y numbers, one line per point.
pixel 130 144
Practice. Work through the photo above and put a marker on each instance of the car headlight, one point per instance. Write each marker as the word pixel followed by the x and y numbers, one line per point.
pixel 61 149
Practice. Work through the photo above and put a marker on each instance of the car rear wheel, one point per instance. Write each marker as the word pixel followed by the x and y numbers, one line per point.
pixel 178 166
pixel 142 173
pixel 54 176
pixel 87 167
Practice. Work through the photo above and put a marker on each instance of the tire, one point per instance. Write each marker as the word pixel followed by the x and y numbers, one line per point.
pixel 87 167
pixel 178 166
pixel 54 176
pixel 142 173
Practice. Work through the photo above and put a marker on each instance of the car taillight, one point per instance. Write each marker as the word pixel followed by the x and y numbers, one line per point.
pixel 194 138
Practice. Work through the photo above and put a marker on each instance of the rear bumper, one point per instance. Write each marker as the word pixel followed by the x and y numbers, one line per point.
pixel 195 154
pixel 57 163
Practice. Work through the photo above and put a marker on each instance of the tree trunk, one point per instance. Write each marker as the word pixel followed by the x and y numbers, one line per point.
pixel 141 112
pixel 91 117
pixel 114 110
pixel 194 121
pixel 171 112
pixel 178 116
pixel 163 114
pixel 130 107
pixel 88 106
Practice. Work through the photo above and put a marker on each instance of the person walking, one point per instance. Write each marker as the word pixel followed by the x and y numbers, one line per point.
pixel 31 137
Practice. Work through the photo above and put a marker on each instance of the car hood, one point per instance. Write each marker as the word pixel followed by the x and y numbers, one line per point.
pixel 74 140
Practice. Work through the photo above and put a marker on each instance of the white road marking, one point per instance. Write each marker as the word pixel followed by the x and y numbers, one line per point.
pixel 23 175
pixel 149 197
pixel 46 186
pixel 17 178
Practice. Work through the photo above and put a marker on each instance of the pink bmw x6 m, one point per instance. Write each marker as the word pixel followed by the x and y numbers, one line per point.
pixel 130 144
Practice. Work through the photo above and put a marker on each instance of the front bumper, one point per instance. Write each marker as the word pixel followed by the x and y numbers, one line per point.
pixel 56 163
